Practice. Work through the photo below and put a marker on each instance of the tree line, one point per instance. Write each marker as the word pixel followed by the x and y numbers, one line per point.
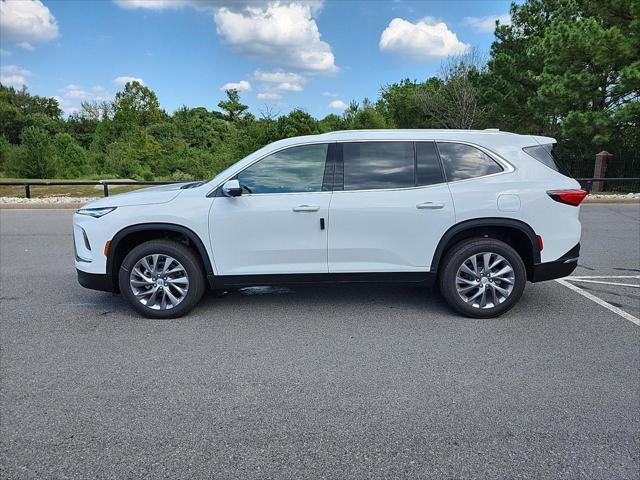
pixel 569 69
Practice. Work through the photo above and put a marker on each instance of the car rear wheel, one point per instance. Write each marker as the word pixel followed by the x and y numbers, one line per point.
pixel 482 277
pixel 162 279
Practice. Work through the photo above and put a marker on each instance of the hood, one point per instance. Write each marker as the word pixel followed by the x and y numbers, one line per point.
pixel 144 196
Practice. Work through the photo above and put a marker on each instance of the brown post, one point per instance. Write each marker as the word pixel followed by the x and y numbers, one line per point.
pixel 600 169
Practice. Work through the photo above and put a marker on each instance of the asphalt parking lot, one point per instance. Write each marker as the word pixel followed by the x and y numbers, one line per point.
pixel 318 382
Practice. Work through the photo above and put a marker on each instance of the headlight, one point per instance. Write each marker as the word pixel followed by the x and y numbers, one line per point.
pixel 95 212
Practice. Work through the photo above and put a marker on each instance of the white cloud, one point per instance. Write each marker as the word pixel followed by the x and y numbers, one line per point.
pixel 153 4
pixel 288 87
pixel 338 105
pixel 423 40
pixel 274 83
pixel 74 92
pixel 277 77
pixel 26 46
pixel 13 80
pixel 27 22
pixel 123 80
pixel 15 69
pixel 71 96
pixel 241 86
pixel 280 33
pixel 13 76
pixel 329 94
pixel 203 5
pixel 268 96
pixel 487 24
pixel 285 34
pixel 280 81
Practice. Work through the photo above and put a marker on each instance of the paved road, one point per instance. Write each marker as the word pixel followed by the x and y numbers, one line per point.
pixel 333 382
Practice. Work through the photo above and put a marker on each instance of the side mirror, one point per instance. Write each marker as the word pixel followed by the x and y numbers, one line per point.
pixel 231 188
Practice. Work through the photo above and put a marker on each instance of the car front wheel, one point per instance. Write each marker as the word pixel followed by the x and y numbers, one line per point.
pixel 162 279
pixel 482 277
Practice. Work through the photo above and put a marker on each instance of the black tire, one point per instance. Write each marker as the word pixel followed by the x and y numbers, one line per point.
pixel 463 251
pixel 180 252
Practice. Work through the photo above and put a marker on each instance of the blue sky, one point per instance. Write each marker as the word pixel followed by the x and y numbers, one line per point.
pixel 315 55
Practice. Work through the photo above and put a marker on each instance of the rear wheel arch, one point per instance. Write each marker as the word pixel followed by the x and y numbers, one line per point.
pixel 516 233
pixel 130 237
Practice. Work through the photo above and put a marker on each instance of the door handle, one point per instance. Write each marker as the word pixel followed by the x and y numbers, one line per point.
pixel 306 208
pixel 430 206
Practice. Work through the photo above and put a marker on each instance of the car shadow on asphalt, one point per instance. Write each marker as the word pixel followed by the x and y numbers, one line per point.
pixel 400 296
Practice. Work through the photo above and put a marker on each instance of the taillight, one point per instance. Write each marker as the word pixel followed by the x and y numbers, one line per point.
pixel 569 197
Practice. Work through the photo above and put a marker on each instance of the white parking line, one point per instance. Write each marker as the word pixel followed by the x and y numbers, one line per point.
pixel 584 280
pixel 603 276
pixel 599 301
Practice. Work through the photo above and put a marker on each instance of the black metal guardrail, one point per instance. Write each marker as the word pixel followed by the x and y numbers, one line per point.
pixel 622 183
pixel 587 183
pixel 105 185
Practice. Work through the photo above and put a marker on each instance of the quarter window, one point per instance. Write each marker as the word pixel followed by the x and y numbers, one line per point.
pixel 429 171
pixel 296 169
pixel 375 165
pixel 544 154
pixel 464 161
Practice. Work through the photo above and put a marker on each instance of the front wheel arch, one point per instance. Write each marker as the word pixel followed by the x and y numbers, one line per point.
pixel 130 237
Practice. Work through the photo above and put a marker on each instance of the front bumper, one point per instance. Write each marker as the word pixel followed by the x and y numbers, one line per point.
pixel 562 267
pixel 96 281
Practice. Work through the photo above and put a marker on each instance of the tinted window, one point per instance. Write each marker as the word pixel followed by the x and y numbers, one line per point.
pixel 464 161
pixel 429 170
pixel 544 155
pixel 296 169
pixel 372 165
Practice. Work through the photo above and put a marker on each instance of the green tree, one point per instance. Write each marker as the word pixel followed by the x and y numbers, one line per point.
pixel 297 123
pixel 83 124
pixel 331 123
pixel 570 69
pixel 399 106
pixel 70 159
pixel 199 127
pixel 6 151
pixel 135 106
pixel 20 109
pixel 365 116
pixel 233 109
pixel 451 100
pixel 35 156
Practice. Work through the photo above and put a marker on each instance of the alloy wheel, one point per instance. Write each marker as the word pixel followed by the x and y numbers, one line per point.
pixel 159 282
pixel 485 280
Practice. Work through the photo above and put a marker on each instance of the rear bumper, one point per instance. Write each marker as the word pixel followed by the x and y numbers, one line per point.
pixel 95 281
pixel 562 267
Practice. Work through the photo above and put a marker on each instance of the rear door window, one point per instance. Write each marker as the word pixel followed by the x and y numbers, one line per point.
pixel 376 165
pixel 463 161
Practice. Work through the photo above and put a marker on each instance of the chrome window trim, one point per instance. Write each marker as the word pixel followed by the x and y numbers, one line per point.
pixel 507 166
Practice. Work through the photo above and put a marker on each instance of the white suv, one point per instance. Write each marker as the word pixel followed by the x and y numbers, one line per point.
pixel 480 212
